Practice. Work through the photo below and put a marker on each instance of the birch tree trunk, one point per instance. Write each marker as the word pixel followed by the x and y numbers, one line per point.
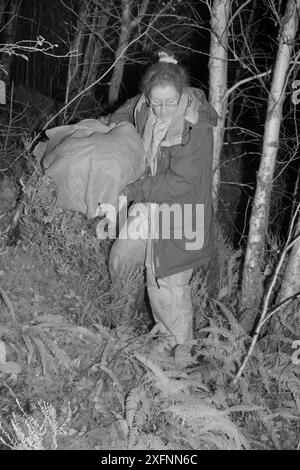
pixel 291 280
pixel 252 283
pixel 218 55
pixel 288 316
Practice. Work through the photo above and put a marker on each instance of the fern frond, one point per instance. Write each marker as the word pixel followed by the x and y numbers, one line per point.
pixel 195 380
pixel 112 376
pixel 122 423
pixel 165 385
pixel 263 373
pixel 58 353
pixel 272 431
pixel 233 323
pixel 220 332
pixel 136 412
pixel 131 405
pixel 204 418
pixel 149 441
pixel 29 348
pixel 42 352
pixel 199 410
pixel 51 319
pixel 85 332
pixel 242 409
pixel 284 412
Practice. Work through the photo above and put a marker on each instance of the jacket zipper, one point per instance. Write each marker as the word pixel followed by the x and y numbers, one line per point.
pixel 154 170
pixel 153 267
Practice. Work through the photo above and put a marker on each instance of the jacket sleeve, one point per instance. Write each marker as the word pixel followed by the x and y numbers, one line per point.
pixel 190 165
pixel 125 112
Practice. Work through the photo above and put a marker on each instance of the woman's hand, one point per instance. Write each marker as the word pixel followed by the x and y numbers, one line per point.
pixel 105 120
pixel 131 189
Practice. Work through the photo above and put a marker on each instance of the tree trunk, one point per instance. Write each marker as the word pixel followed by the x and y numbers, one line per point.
pixel 89 50
pixel 89 75
pixel 288 316
pixel 252 283
pixel 117 76
pixel 74 67
pixel 218 81
pixel 291 280
pixel 9 34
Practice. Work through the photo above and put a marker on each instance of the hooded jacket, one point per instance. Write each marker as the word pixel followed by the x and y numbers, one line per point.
pixel 183 177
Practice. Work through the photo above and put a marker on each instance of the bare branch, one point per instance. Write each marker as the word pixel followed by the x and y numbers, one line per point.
pixel 287 247
pixel 245 80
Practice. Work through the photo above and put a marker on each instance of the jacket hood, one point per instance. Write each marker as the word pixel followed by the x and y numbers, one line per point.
pixel 199 110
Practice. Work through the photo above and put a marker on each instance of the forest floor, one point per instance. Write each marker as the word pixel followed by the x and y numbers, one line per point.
pixel 95 379
pixel 79 378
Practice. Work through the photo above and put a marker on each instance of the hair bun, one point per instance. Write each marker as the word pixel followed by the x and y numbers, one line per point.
pixel 165 57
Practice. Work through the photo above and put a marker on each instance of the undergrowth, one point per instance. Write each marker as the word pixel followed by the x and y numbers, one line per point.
pixel 128 392
pixel 149 400
pixel 67 240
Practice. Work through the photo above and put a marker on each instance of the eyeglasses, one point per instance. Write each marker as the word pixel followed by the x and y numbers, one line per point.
pixel 161 105
pixel 158 106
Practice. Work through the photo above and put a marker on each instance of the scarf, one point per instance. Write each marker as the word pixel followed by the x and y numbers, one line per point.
pixel 159 133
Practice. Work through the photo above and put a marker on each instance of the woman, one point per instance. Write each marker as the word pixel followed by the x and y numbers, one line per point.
pixel 176 123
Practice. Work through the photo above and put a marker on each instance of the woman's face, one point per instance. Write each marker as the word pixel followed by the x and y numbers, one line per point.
pixel 164 99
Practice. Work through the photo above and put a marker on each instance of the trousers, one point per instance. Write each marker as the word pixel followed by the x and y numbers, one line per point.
pixel 170 297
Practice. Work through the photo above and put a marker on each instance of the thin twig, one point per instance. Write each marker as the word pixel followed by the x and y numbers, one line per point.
pixel 237 12
pixel 280 305
pixel 264 313
pixel 76 97
pixel 245 80
pixel 237 184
